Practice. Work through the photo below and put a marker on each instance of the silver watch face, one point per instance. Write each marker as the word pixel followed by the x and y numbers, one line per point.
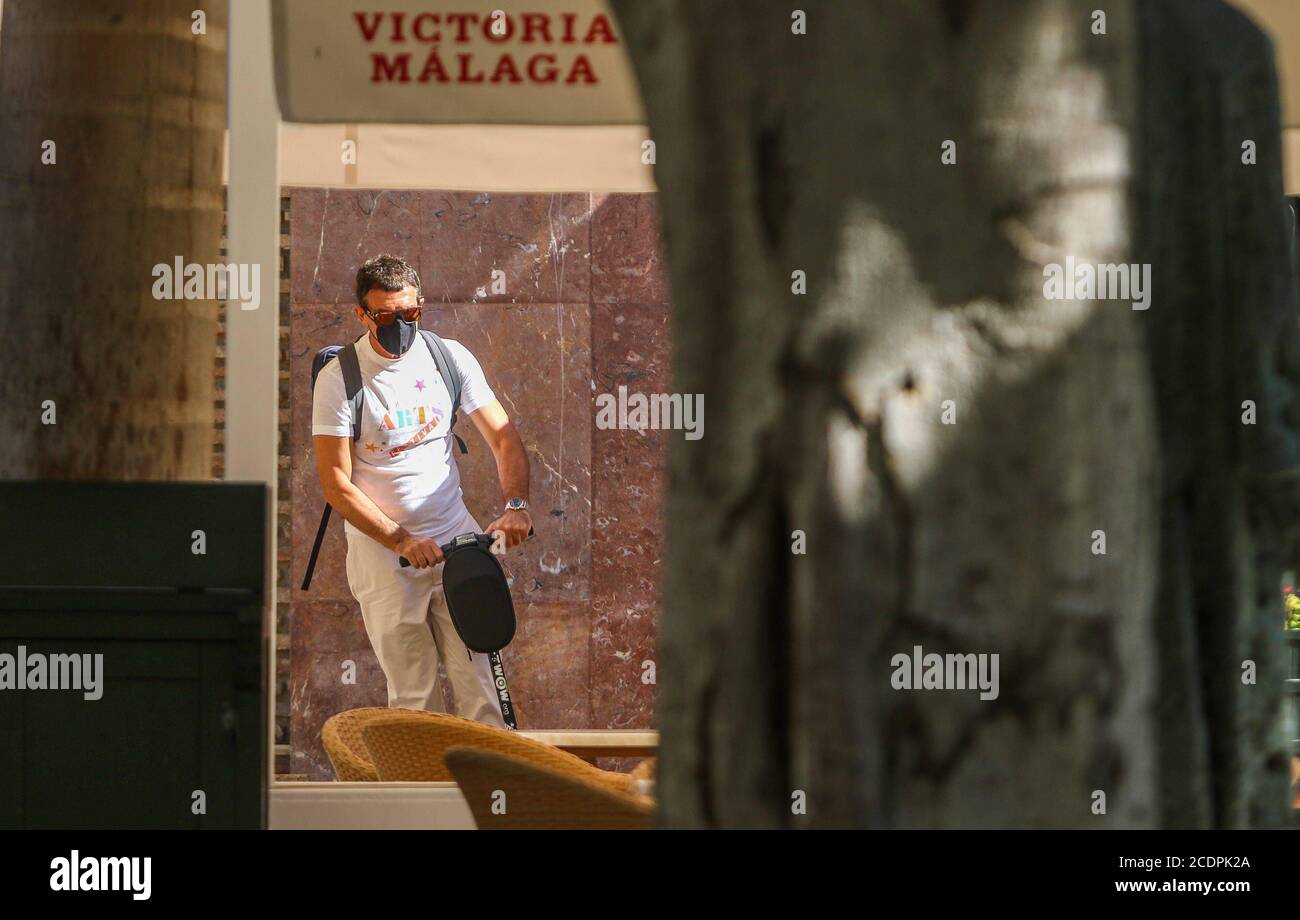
pixel 516 504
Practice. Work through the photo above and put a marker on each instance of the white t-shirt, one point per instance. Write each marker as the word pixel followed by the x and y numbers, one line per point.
pixel 403 459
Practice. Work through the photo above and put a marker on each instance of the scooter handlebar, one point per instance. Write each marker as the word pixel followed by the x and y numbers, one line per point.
pixel 460 541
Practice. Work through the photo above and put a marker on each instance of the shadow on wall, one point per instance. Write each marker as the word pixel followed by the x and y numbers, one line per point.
pixel 584 310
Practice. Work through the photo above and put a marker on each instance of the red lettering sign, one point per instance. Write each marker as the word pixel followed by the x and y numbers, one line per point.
pixel 502 29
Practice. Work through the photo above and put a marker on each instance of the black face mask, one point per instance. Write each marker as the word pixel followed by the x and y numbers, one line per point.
pixel 398 336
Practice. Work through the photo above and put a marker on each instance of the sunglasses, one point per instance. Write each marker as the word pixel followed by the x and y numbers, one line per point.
pixel 386 317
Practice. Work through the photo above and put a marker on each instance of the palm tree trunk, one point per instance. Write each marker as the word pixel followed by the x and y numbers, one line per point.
pixel 134 103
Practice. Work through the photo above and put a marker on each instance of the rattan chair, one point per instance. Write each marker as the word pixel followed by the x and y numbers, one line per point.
pixel 341 736
pixel 409 746
pixel 509 793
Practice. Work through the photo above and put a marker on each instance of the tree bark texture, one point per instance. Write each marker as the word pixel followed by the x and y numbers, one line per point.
pixel 134 102
pixel 1120 673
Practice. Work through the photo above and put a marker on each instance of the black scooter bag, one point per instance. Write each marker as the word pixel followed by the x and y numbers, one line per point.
pixel 478 596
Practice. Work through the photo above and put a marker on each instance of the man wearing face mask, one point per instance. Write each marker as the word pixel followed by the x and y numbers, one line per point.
pixel 398 489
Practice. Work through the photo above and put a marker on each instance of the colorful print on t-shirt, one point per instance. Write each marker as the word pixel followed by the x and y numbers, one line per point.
pixel 423 418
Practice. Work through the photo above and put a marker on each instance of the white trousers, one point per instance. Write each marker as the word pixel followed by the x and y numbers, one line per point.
pixel 410 629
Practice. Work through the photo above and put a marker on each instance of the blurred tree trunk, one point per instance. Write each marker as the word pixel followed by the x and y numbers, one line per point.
pixel 135 104
pixel 1225 345
pixel 821 153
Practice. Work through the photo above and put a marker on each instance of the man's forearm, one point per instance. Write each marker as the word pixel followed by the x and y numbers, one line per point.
pixel 363 514
pixel 512 467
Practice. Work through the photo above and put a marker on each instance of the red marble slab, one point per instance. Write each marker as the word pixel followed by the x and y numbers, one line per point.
pixel 627 263
pixel 326 635
pixel 455 240
pixel 334 230
pixel 540 243
pixel 630 347
pixel 547 666
pixel 537 359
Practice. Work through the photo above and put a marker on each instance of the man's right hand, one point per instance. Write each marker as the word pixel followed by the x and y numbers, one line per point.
pixel 422 552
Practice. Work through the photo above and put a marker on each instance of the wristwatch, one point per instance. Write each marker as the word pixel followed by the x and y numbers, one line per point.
pixel 517 504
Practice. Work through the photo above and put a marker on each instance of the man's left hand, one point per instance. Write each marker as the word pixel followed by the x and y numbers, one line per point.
pixel 514 524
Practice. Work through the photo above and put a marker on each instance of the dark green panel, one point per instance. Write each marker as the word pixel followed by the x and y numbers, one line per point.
pixel 135 534
pixel 184 681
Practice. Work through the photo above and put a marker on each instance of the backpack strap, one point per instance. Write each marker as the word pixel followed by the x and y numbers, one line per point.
pixel 446 370
pixel 315 549
pixel 351 367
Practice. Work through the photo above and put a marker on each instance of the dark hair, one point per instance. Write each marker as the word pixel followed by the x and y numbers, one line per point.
pixel 387 273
